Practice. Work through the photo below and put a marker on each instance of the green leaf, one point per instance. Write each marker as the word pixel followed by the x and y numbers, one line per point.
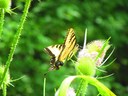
pixel 103 90
pixel 65 85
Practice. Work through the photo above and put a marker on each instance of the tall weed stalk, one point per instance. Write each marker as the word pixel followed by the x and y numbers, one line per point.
pixel 14 43
pixel 1 21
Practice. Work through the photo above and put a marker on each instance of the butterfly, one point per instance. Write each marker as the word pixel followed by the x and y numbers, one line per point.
pixel 61 52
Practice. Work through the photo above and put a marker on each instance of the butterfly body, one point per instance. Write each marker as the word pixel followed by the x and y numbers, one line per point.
pixel 55 62
pixel 62 52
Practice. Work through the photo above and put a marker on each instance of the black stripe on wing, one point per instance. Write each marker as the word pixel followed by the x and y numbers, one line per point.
pixel 49 52
pixel 69 36
pixel 54 50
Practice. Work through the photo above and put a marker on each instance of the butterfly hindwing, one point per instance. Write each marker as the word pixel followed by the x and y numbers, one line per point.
pixel 54 50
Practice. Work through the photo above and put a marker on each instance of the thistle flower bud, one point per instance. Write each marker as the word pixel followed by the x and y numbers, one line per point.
pixel 5 4
pixel 94 48
pixel 85 64
pixel 91 55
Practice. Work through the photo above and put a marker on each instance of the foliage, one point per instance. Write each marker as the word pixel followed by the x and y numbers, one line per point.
pixel 46 24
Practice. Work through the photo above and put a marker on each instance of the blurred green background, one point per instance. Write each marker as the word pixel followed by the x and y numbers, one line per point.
pixel 47 24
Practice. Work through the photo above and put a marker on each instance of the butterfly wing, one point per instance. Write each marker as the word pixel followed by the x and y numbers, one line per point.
pixel 54 50
pixel 69 45
pixel 63 51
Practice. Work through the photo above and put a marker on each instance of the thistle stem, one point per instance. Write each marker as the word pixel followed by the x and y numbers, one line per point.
pixel 1 21
pixel 4 89
pixel 15 40
pixel 81 91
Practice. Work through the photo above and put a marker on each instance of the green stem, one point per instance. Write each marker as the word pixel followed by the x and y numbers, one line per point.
pixel 44 86
pixel 16 39
pixel 81 91
pixel 1 21
pixel 4 89
pixel 79 88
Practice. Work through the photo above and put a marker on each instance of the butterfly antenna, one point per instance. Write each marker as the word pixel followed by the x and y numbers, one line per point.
pixel 50 69
pixel 46 73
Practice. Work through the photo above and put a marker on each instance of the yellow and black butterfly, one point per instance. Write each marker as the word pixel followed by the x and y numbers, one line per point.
pixel 62 52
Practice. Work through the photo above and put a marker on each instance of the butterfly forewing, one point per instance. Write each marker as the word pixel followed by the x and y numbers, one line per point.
pixel 69 44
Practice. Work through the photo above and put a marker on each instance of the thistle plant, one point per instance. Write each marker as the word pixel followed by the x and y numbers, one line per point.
pixel 5 6
pixel 89 59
